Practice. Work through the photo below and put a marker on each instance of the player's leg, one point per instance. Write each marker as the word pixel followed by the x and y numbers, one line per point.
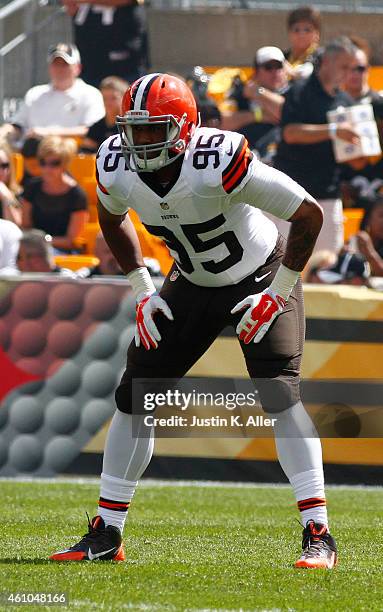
pixel 129 444
pixel 274 364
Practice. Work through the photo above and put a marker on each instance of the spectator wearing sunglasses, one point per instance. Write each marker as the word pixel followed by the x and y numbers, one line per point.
pixel 306 149
pixel 362 178
pixel 54 202
pixel 9 188
pixel 303 30
pixel 255 106
pixel 356 81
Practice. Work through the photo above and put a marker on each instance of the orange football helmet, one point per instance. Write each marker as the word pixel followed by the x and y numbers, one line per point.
pixel 157 99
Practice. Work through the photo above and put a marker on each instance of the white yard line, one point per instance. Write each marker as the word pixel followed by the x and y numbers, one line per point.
pixel 150 482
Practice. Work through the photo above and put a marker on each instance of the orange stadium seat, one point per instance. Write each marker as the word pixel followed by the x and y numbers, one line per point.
pixel 352 218
pixel 83 166
pixel 75 262
pixel 18 164
pixel 89 186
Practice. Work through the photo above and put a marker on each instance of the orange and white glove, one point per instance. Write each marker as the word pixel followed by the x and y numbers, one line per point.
pixel 263 308
pixel 148 302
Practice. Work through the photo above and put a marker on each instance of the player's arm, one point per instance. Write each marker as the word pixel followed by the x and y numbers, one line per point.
pixel 122 239
pixel 274 192
pixel 306 224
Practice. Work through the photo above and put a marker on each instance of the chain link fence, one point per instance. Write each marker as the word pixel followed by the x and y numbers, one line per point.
pixel 27 29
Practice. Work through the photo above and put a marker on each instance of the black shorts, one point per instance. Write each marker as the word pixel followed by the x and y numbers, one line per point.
pixel 200 315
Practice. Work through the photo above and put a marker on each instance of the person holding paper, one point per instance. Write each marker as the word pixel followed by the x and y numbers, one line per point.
pixel 306 150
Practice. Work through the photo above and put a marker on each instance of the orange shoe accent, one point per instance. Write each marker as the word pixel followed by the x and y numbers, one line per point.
pixel 317 563
pixel 120 554
pixel 68 556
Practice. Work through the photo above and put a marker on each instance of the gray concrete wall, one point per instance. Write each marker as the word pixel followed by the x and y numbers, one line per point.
pixel 181 39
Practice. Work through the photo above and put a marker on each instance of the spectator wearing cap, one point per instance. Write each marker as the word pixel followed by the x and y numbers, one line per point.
pixel 303 30
pixel 66 106
pixel 257 104
pixel 349 269
pixel 306 149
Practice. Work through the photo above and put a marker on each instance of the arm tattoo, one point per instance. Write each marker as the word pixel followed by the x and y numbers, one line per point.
pixel 301 240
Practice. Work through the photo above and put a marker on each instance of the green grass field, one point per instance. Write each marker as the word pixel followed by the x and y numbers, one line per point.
pixel 192 548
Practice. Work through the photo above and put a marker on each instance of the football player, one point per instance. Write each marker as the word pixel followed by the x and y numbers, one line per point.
pixel 202 191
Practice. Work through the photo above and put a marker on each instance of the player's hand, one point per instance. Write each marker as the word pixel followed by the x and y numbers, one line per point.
pixel 146 330
pixel 262 309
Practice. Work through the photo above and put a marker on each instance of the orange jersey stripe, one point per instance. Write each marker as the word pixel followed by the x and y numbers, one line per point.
pixel 240 172
pixel 235 162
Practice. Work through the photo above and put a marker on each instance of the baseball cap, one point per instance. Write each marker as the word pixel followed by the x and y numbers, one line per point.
pixel 348 266
pixel 67 51
pixel 268 54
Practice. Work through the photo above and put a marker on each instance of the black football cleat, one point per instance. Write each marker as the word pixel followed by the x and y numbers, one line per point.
pixel 99 544
pixel 319 548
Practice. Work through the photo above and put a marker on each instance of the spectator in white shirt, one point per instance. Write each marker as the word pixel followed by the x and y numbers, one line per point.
pixel 10 236
pixel 66 106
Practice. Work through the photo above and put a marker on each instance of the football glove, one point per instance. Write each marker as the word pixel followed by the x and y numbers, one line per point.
pixel 146 330
pixel 262 309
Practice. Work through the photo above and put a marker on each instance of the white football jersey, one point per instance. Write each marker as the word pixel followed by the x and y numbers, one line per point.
pixel 211 218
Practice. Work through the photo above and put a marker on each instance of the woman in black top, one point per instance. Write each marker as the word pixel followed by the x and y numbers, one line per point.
pixel 54 202
pixel 112 89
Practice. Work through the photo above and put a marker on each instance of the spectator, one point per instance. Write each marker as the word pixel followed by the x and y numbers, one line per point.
pixel 356 81
pixel 362 177
pixel 210 114
pixel 369 240
pixel 306 150
pixel 303 29
pixel 349 269
pixel 257 104
pixel 54 202
pixel 111 36
pixel 10 236
pixel 318 261
pixel 32 167
pixel 112 89
pixel 65 106
pixel 36 254
pixel 9 189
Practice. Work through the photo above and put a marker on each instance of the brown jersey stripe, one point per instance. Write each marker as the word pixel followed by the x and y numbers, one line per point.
pixel 231 168
pixel 240 173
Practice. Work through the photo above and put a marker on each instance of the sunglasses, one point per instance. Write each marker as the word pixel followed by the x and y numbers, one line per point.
pixel 5 165
pixel 54 163
pixel 359 69
pixel 272 66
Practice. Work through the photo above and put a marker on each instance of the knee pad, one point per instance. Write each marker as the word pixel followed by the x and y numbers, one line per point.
pixel 278 394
